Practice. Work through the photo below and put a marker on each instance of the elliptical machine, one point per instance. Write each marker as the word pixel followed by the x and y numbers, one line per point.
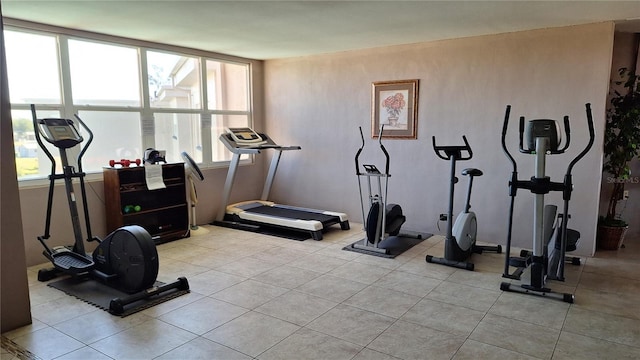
pixel 460 241
pixel 382 220
pixel 127 259
pixel 543 138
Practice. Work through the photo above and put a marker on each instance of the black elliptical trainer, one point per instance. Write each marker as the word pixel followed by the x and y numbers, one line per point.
pixel 543 139
pixel 127 259
pixel 382 220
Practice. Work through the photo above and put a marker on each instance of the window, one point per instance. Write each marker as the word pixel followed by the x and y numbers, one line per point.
pixel 32 64
pixel 174 81
pixel 179 101
pixel 103 74
pixel 116 135
pixel 227 86
pixel 28 155
pixel 176 133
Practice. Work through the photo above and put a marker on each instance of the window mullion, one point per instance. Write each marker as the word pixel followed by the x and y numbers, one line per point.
pixel 147 120
pixel 205 117
pixel 65 77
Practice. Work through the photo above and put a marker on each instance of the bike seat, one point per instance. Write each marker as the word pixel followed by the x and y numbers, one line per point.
pixel 472 172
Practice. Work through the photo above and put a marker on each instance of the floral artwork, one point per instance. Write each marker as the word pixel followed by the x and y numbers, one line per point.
pixel 394 104
pixel 395 107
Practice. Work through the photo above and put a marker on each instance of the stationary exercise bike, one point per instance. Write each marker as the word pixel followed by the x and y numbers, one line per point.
pixel 382 220
pixel 460 241
pixel 127 259
pixel 547 258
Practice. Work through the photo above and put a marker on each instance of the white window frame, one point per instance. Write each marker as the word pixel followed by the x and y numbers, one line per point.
pixel 67 108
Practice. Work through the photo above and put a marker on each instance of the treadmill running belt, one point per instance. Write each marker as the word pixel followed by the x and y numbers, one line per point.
pixel 292 213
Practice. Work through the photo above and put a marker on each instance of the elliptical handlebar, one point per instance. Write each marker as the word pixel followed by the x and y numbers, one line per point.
pixel 37 130
pixel 39 134
pixel 592 136
pixel 359 151
pixel 384 150
pixel 505 125
pixel 86 145
pixel 453 150
pixel 567 130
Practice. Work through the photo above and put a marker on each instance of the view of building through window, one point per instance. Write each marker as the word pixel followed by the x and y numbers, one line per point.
pixel 104 84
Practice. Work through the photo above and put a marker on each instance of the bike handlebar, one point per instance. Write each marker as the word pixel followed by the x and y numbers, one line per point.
pixel 453 150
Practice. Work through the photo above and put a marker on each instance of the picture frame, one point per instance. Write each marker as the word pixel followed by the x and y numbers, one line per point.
pixel 394 104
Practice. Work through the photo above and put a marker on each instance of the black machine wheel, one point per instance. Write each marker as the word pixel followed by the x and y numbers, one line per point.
pixel 505 286
pixel 469 266
pixel 184 283
pixel 393 218
pixel 47 274
pixel 429 258
pixel 575 261
pixel 568 298
pixel 372 222
pixel 116 307
pixel 130 254
pixel 499 249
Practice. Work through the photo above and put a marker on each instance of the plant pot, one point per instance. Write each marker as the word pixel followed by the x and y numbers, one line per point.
pixel 610 237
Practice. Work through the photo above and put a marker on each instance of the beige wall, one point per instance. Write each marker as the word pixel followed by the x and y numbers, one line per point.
pixel 318 102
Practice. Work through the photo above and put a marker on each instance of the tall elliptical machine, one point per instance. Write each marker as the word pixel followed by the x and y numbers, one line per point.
pixel 382 220
pixel 543 138
pixel 126 259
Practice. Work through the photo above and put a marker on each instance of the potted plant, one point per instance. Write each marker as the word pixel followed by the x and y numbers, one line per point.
pixel 621 145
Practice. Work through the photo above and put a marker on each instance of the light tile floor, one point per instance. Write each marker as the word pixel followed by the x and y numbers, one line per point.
pixel 260 297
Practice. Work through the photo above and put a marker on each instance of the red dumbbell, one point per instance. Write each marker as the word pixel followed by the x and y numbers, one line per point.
pixel 124 162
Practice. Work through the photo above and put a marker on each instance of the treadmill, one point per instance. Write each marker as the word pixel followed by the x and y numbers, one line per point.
pixel 262 215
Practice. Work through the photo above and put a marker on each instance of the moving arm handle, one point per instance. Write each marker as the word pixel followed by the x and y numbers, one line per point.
pixel 86 145
pixel 359 151
pixel 384 150
pixel 505 125
pixel 567 131
pixel 591 139
pixel 521 137
pixel 37 129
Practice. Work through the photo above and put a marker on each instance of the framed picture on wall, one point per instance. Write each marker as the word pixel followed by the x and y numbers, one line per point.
pixel 394 104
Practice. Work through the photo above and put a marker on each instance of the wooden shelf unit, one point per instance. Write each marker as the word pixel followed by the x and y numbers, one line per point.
pixel 164 213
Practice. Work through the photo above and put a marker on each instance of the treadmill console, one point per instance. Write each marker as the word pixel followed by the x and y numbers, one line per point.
pixel 245 136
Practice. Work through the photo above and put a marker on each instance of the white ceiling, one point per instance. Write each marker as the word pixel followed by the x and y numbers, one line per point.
pixel 281 29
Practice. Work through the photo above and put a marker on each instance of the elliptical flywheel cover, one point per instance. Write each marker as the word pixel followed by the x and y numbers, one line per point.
pixel 130 253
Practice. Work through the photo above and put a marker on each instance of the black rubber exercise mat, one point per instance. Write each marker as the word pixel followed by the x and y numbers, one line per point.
pixel 395 245
pixel 100 295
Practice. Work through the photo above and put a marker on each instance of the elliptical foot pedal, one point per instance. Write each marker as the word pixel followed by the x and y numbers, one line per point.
pixel 518 262
pixel 72 262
